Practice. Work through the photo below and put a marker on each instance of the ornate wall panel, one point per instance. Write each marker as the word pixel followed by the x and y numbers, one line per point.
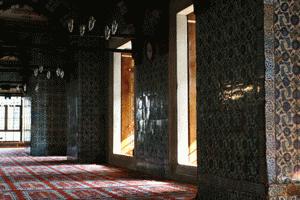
pixel 73 102
pixel 87 103
pixel 151 137
pixel 49 105
pixel 287 86
pixel 93 82
pixel 151 114
pixel 48 118
pixel 231 99
pixel 287 58
pixel 270 91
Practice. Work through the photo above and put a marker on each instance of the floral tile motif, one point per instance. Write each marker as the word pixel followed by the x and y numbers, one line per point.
pixel 282 102
pixel 287 92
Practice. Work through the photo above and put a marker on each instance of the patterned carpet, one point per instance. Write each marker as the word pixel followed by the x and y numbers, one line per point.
pixel 25 177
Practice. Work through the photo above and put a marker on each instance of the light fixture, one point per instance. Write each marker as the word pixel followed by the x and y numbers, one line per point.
pixel 62 73
pixel 41 68
pixel 58 71
pixel 92 22
pixel 107 32
pixel 48 75
pixel 36 72
pixel 36 87
pixel 81 30
pixel 71 25
pixel 90 25
pixel 70 22
pixel 110 30
pixel 114 27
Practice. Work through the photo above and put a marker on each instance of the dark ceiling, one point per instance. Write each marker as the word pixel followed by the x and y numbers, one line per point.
pixel 22 20
pixel 41 25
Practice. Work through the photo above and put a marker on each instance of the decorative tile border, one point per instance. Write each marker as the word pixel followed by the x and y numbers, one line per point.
pixel 282 48
pixel 270 91
pixel 281 191
pixel 287 88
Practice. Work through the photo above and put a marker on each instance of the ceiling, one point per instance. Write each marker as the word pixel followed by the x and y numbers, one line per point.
pixel 43 25
pixel 27 25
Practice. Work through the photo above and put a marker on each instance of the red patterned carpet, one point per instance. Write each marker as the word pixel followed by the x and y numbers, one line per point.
pixel 25 177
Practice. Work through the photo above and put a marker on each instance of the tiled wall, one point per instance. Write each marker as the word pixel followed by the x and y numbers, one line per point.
pixel 151 114
pixel 49 105
pixel 286 96
pixel 287 93
pixel 73 103
pixel 231 99
pixel 10 76
pixel 48 118
pixel 69 115
pixel 151 81
pixel 151 138
pixel 87 104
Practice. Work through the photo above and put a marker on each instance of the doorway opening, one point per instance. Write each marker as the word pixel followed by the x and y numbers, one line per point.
pixel 186 87
pixel 123 102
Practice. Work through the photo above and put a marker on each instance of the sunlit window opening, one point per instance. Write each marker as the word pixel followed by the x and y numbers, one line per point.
pixel 186 87
pixel 15 119
pixel 123 86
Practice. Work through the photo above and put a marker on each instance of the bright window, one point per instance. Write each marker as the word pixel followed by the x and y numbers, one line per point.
pixel 186 88
pixel 13 117
pixel 2 117
pixel 12 120
pixel 26 125
pixel 124 126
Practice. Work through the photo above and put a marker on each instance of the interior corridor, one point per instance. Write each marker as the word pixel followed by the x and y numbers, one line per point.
pixel 129 99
